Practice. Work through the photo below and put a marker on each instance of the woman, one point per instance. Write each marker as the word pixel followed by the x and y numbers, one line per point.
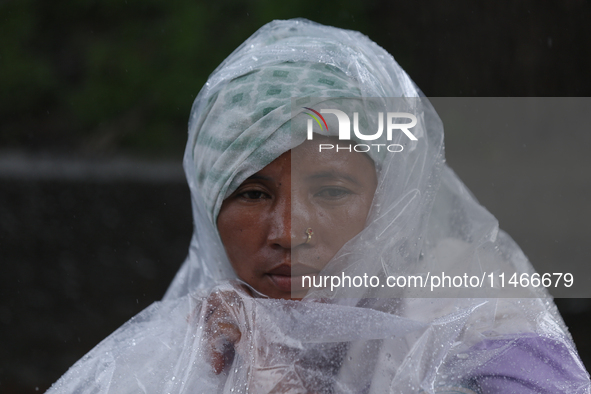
pixel 280 197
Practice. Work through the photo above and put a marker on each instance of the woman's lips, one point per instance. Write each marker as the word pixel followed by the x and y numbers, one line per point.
pixel 282 282
pixel 283 276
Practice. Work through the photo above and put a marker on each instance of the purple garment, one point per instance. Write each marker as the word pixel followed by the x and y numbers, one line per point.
pixel 528 364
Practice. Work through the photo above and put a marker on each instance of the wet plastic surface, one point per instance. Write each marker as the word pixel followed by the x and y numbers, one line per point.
pixel 325 343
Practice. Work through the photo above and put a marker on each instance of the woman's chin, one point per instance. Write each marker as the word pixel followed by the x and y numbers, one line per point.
pixel 285 287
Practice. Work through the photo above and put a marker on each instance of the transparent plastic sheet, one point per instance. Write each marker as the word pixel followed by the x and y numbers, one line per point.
pixel 328 343
pixel 423 223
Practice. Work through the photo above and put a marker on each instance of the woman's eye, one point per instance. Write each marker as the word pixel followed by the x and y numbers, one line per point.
pixel 333 193
pixel 254 195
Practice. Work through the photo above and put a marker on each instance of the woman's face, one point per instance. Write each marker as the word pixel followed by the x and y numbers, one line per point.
pixel 263 223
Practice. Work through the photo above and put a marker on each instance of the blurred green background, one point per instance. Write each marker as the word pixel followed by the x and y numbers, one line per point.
pixel 96 77
pixel 96 80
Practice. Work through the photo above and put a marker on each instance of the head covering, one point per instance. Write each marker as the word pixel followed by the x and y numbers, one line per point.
pixel 422 219
pixel 241 120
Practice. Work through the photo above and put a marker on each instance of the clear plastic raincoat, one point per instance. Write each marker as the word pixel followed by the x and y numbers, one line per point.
pixel 371 340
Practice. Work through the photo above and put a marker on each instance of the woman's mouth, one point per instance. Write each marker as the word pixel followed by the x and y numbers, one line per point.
pixel 282 282
pixel 288 278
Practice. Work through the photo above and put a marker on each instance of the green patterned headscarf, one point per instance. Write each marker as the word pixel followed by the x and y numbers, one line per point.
pixel 240 121
pixel 247 124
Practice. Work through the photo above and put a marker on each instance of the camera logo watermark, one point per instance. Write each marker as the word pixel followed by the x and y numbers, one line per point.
pixel 392 123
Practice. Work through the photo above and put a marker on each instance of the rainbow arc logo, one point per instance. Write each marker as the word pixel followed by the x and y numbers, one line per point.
pixel 316 119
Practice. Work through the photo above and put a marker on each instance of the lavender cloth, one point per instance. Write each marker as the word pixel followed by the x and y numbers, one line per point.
pixel 528 364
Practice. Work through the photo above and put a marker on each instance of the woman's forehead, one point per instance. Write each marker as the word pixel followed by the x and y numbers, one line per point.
pixel 306 163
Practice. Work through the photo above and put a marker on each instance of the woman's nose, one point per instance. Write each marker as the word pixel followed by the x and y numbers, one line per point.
pixel 300 220
pixel 290 222
pixel 280 222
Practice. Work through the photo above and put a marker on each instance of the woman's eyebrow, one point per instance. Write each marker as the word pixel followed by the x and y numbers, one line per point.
pixel 259 177
pixel 333 174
